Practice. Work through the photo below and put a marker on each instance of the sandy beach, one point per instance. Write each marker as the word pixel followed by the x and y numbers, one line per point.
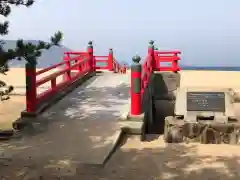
pixel 16 77
pixel 214 79
pixel 226 79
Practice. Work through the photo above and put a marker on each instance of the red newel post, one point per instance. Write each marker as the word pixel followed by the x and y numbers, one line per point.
pixel 68 65
pixel 90 55
pixel 156 58
pixel 94 63
pixel 110 60
pixel 136 71
pixel 175 67
pixel 117 68
pixel 124 69
pixel 151 54
pixel 79 67
pixel 31 89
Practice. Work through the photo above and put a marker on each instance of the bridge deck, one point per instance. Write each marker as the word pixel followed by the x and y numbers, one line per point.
pixel 82 127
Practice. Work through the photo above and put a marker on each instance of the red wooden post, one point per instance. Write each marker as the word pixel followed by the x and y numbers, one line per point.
pixel 157 62
pixel 110 60
pixel 90 55
pixel 175 67
pixel 136 71
pixel 54 84
pixel 94 63
pixel 114 67
pixel 174 63
pixel 31 89
pixel 151 54
pixel 68 65
pixel 79 67
pixel 117 68
pixel 124 69
pixel 156 58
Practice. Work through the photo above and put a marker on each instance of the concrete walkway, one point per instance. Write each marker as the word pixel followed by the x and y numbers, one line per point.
pixel 83 127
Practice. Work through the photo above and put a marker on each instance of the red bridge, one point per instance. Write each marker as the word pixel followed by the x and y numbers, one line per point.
pixel 84 108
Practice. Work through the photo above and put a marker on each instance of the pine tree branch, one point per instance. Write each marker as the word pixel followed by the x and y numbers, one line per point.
pixel 5 10
pixel 18 2
pixel 28 51
pixel 4 28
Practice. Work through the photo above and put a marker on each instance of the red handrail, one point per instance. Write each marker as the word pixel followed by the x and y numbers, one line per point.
pixel 152 63
pixel 55 66
pixel 118 68
pixel 74 53
pixel 53 77
pixel 168 52
pixel 140 77
pixel 33 98
pixel 103 60
pixel 109 63
pixel 76 65
pixel 167 56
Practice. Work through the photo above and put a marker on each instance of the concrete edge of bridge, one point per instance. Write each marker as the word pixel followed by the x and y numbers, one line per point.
pixel 26 117
pixel 130 124
pixel 119 138
pixel 127 128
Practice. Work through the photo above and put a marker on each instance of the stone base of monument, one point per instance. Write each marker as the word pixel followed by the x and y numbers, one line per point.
pixel 202 115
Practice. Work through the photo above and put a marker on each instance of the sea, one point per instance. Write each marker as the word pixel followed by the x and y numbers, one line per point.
pixel 212 68
pixel 43 64
pixel 208 68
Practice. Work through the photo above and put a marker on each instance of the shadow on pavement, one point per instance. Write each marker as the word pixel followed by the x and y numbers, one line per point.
pixel 135 160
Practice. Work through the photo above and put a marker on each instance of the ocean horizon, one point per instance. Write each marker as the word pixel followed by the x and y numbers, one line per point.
pixel 208 68
pixel 21 64
pixel 211 68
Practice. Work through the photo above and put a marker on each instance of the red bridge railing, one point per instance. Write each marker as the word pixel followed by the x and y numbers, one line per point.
pixel 61 75
pixel 109 63
pixel 101 60
pixel 170 57
pixel 117 67
pixel 140 74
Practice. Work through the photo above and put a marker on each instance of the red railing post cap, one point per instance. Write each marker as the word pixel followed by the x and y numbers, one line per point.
pixel 90 44
pixel 151 42
pixel 136 59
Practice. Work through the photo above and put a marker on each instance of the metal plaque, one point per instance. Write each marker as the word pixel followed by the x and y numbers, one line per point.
pixel 206 101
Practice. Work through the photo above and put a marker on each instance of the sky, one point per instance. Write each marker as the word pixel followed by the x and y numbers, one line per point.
pixel 206 31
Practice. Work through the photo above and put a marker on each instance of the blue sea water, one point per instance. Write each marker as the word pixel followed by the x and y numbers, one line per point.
pixel 101 64
pixel 212 68
pixel 209 68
